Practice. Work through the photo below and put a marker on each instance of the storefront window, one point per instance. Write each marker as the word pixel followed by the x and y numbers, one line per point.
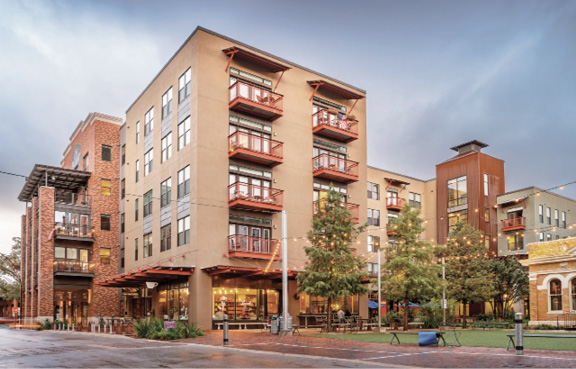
pixel 173 301
pixel 244 303
pixel 318 305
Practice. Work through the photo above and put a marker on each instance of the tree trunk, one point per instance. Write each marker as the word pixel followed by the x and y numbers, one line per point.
pixel 406 307
pixel 464 316
pixel 329 315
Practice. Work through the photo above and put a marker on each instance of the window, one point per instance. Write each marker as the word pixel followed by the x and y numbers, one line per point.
pixel 541 213
pixel 136 249
pixel 87 162
pixel 106 153
pixel 122 188
pixel 415 199
pixel 137 135
pixel 184 182
pixel 541 237
pixel 121 258
pixel 167 103
pixel 487 215
pixel 148 161
pixel 147 203
pixel 184 85
pixel 373 217
pixel 453 218
pixel 149 122
pixel 183 133
pixel 457 192
pixel 105 187
pixel 123 154
pixel 548 216
pixel 485 184
pixel 184 231
pixel 105 222
pixel 555 291
pixel 165 192
pixel 166 147
pixel 166 238
pixel 373 269
pixel 137 170
pixel 373 191
pixel 373 243
pixel 136 210
pixel 564 226
pixel 515 242
pixel 104 255
pixel 147 250
pixel 573 293
pixel 122 222
pixel 548 237
pixel 556 218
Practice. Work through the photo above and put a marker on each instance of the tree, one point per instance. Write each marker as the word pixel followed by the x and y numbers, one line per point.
pixel 10 272
pixel 468 273
pixel 409 273
pixel 334 270
pixel 510 283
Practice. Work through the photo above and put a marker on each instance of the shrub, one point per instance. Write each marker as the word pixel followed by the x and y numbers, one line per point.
pixel 153 328
pixel 431 315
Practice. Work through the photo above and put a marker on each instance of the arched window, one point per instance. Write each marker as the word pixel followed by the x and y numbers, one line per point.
pixel 555 295
pixel 573 292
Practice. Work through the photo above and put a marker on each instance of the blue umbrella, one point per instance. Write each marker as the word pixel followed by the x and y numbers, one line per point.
pixel 431 304
pixel 411 304
pixel 374 304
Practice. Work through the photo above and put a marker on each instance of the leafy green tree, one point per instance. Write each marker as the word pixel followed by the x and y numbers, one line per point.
pixel 10 272
pixel 409 273
pixel 334 269
pixel 468 274
pixel 510 284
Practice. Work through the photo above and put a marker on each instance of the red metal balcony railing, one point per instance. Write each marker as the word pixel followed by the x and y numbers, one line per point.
pixel 73 230
pixel 335 125
pixel 246 196
pixel 69 266
pixel 253 148
pixel 354 209
pixel 395 203
pixel 253 247
pixel 256 100
pixel 335 169
pixel 513 224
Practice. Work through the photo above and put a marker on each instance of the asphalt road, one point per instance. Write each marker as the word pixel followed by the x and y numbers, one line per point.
pixel 49 349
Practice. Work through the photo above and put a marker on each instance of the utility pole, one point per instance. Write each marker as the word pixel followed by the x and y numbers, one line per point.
pixel 285 272
pixel 379 293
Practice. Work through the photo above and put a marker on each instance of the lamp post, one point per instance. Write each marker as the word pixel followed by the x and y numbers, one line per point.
pixel 443 291
pixel 379 293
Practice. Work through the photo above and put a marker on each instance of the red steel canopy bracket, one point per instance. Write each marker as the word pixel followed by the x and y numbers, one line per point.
pixel 231 55
pixel 317 84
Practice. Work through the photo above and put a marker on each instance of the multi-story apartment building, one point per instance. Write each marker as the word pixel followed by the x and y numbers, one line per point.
pixel 532 215
pixel 70 230
pixel 466 188
pixel 222 140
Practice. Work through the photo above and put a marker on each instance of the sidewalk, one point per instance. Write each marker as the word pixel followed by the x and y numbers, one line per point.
pixel 386 354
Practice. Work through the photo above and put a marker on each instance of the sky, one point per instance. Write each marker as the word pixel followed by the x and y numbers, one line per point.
pixel 437 74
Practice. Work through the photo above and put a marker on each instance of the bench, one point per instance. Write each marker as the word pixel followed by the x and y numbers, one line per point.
pixel 395 334
pixel 511 337
pixel 261 325
pixel 487 324
pixel 419 324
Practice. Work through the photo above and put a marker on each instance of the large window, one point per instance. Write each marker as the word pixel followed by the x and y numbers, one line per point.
pixel 556 218
pixel 148 161
pixel 457 192
pixel 184 85
pixel 147 250
pixel 548 216
pixel 373 217
pixel 166 146
pixel 244 303
pixel 183 133
pixel 455 217
pixel 541 237
pixel 87 162
pixel 415 199
pixel 173 301
pixel 166 238
pixel 136 249
pixel 137 132
pixel 105 187
pixel 148 203
pixel 485 184
pixel 167 103
pixel 373 191
pixel 555 293
pixel 541 213
pixel 515 242
pixel 106 153
pixel 137 176
pixel 372 269
pixel 373 243
pixel 105 222
pixel 122 188
pixel 564 223
pixel 136 210
pixel 184 182
pixel 104 255
pixel 573 293
pixel 184 231
pixel 123 154
pixel 149 122
pixel 72 259
pixel 165 192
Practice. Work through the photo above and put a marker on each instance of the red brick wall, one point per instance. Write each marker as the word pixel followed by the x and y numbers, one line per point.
pixel 34 248
pixel 46 253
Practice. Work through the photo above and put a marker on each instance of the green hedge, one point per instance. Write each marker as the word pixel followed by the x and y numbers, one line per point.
pixel 153 328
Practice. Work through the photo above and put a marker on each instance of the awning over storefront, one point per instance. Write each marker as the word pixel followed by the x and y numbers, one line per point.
pixel 244 272
pixel 138 278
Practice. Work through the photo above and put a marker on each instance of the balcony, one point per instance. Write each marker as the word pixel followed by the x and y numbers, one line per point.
pixel 72 198
pixel 250 197
pixel 335 169
pixel 73 268
pixel 252 247
pixel 335 126
pixel 256 149
pixel 255 100
pixel 73 232
pixel 395 203
pixel 354 209
pixel 513 224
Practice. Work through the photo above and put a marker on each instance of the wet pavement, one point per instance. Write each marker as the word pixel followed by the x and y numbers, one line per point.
pixel 49 349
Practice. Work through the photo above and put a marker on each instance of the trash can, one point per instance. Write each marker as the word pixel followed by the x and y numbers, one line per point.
pixel 281 322
pixel 274 329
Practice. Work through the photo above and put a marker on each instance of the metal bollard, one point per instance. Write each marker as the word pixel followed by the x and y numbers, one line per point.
pixel 72 327
pixel 225 330
pixel 519 334
pixel 98 328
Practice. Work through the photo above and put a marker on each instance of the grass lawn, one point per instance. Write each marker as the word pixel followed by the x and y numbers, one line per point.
pixel 475 338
